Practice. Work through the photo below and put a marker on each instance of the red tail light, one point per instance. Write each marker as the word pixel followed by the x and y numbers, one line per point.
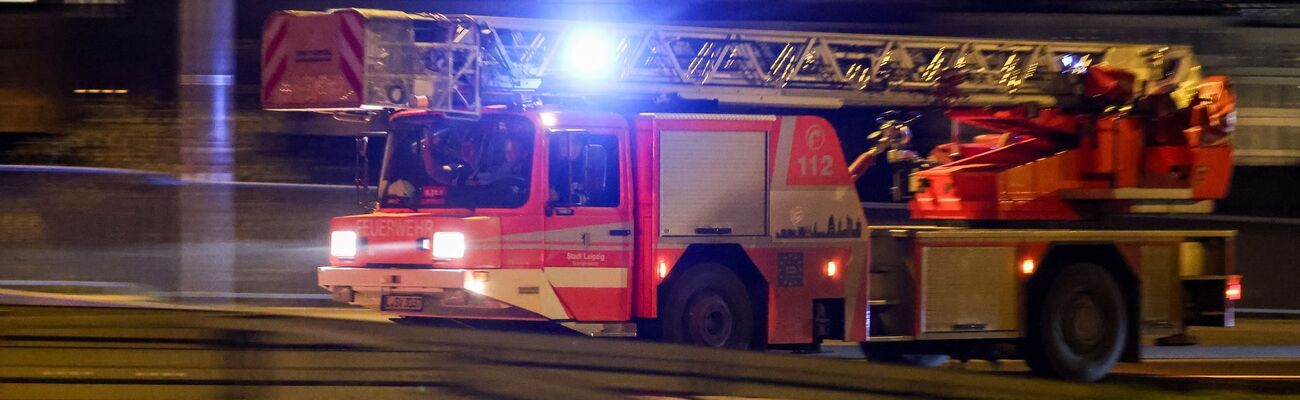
pixel 1233 291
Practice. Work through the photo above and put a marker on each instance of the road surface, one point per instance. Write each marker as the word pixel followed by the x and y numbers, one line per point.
pixel 178 352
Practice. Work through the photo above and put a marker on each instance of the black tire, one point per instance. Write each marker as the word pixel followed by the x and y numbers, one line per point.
pixel 1080 327
pixel 709 306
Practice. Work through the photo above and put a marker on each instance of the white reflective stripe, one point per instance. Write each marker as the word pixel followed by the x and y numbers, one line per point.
pixel 346 52
pixel 573 247
pixel 539 247
pixel 784 146
pixel 352 61
pixel 533 236
pixel 354 26
pixel 276 23
pixel 567 277
pixel 600 231
pixel 273 59
pixel 504 285
pixel 276 60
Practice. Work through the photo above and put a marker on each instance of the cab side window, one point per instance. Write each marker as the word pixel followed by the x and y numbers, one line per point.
pixel 584 170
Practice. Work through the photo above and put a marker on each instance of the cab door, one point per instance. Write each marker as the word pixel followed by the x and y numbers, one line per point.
pixel 589 223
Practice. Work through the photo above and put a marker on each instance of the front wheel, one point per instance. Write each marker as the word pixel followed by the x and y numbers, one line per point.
pixel 709 306
pixel 1081 325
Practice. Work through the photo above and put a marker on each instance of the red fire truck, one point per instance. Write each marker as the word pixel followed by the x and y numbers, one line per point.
pixel 507 194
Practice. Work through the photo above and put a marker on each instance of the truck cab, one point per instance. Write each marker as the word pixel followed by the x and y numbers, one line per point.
pixel 469 212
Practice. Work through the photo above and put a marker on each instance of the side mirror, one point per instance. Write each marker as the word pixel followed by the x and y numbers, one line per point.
pixel 361 173
pixel 363 143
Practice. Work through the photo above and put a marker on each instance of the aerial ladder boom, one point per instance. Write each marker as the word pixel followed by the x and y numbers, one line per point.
pixel 1084 128
pixel 353 59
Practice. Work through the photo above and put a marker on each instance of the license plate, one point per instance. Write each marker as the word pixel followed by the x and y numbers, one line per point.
pixel 402 303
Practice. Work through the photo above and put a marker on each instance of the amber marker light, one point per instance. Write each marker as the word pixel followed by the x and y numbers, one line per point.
pixel 1027 266
pixel 477 282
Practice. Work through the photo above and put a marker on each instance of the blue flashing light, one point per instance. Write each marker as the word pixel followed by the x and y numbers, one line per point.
pixel 589 53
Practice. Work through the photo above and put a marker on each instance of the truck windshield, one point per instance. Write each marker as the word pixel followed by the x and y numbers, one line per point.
pixel 446 163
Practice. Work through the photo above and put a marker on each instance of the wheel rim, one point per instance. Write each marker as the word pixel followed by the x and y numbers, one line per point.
pixel 710 320
pixel 1084 324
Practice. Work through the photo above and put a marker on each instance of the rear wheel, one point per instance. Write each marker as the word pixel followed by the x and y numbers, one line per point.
pixel 709 306
pixel 1081 325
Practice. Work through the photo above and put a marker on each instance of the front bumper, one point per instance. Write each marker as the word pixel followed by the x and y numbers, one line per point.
pixel 519 294
pixel 414 280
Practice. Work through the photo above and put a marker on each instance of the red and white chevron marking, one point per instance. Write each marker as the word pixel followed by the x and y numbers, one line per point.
pixel 352 52
pixel 277 54
pixel 274 61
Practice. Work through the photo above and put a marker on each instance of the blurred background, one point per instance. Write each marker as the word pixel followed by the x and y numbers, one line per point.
pixel 135 159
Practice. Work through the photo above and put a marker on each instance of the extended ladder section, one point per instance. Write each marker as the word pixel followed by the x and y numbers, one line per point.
pixel 351 59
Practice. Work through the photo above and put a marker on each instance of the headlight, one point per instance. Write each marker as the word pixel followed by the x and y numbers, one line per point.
pixel 448 245
pixel 343 244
